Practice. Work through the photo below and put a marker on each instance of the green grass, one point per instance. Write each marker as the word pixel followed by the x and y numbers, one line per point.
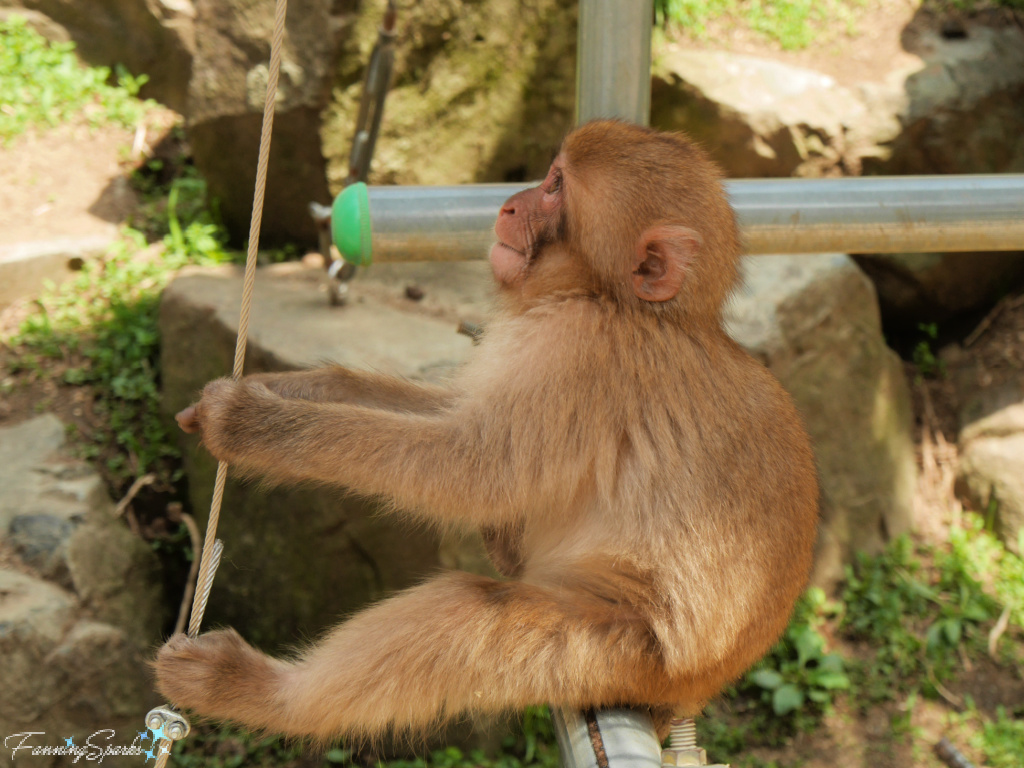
pixel 793 24
pixel 43 84
pixel 529 744
pixel 912 613
pixel 100 330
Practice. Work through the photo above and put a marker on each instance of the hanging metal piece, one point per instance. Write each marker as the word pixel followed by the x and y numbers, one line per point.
pixel 364 141
pixel 168 726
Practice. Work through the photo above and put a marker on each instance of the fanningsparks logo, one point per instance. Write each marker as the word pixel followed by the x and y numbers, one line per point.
pixel 95 748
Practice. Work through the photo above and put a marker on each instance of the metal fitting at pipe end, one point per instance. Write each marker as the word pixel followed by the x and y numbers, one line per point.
pixel 685 756
pixel 173 725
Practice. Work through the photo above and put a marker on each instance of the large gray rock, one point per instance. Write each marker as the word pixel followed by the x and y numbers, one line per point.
pixel 958 109
pixel 961 111
pixel 297 558
pixel 65 677
pixel 933 287
pixel 756 117
pixel 814 321
pixel 154 37
pixel 225 112
pixel 72 653
pixel 38 480
pixel 991 475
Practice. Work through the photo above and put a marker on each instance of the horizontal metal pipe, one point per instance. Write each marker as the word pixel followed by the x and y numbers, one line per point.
pixel 848 215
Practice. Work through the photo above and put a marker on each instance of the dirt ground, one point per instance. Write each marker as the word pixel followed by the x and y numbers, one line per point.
pixel 73 181
pixel 882 36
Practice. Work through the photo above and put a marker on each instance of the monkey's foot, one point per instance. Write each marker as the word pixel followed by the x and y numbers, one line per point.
pixel 219 675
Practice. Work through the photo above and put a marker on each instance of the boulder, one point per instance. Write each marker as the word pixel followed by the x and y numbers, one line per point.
pixel 961 111
pixel 78 619
pixel 957 108
pixel 991 474
pixel 297 558
pixel 483 91
pixel 757 117
pixel 225 114
pixel 152 37
pixel 66 677
pixel 814 321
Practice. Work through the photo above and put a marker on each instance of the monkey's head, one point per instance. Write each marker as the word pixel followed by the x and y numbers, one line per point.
pixel 625 212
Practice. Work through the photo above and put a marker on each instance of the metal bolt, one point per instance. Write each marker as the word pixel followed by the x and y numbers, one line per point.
pixel 174 723
pixel 682 733
pixel 683 749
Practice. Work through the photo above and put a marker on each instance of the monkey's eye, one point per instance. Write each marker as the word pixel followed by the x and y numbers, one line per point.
pixel 554 187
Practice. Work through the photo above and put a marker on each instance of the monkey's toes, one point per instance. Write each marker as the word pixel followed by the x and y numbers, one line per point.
pixel 191 673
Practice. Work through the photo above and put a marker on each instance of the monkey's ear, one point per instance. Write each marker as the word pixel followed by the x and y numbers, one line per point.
pixel 662 259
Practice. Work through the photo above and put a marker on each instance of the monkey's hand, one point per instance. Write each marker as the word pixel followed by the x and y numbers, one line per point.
pixel 219 675
pixel 230 416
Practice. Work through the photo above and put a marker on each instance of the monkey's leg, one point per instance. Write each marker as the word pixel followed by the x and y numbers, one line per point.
pixel 457 643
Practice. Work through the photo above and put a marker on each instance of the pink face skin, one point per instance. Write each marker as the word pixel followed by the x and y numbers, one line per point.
pixel 520 220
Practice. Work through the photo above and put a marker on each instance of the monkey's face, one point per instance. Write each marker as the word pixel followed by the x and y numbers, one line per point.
pixel 625 213
pixel 528 223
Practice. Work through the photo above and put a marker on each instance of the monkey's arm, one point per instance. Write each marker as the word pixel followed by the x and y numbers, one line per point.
pixel 335 383
pixel 446 464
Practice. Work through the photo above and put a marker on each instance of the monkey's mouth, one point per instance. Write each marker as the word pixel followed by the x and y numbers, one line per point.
pixel 508 263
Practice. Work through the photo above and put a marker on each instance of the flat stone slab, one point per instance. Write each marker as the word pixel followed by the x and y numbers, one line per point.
pixel 25 267
pixel 37 479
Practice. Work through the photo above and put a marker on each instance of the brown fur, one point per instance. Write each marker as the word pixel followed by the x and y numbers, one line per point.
pixel 649 485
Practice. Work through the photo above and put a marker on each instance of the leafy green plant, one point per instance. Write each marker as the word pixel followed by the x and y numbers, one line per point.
pixel 42 84
pixel 798 675
pixel 1002 740
pixel 101 328
pixel 917 617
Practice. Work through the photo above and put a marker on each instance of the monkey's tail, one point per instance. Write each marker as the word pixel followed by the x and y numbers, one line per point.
pixel 463 642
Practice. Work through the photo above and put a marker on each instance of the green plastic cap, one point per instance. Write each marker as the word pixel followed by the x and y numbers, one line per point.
pixel 350 224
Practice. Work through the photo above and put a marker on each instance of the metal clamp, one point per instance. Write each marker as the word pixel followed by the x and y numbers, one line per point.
pixel 166 721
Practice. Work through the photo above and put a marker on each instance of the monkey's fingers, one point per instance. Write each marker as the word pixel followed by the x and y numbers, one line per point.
pixel 188 419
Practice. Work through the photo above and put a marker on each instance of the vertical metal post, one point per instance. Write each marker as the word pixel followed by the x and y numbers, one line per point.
pixel 613 60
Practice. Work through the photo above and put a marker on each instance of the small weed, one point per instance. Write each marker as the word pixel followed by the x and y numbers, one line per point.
pixel 798 679
pixel 42 84
pixel 531 745
pixel 1001 740
pixel 916 617
pixel 929 366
